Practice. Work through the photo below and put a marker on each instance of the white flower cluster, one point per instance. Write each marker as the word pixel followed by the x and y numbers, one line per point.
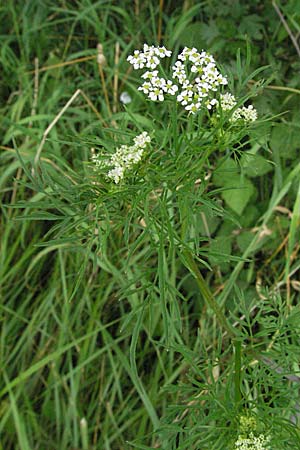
pixel 227 101
pixel 245 113
pixel 195 87
pixel 98 162
pixel 155 87
pixel 198 89
pixel 249 438
pixel 124 158
pixel 252 442
pixel 195 80
pixel 149 57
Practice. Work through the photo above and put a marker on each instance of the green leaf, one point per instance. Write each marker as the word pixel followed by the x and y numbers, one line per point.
pixel 250 215
pixel 255 165
pixel 252 26
pixel 220 249
pixel 199 34
pixel 238 194
pixel 285 140
pixel 238 189
pixel 244 240
pixel 226 172
pixel 207 221
pixel 191 36
pixel 210 31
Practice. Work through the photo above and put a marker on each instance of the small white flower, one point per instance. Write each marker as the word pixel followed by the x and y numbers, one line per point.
pixel 193 107
pixel 222 80
pixel 194 56
pixel 179 72
pixel 185 97
pixel 210 74
pixel 116 174
pixel 206 58
pixel 227 101
pixel 157 94
pixel 138 59
pixel 99 163
pixel 236 115
pixel 142 139
pixel 150 75
pixel 178 66
pixel 170 87
pixel 210 103
pixel 146 87
pixel 184 54
pixel 148 49
pixel 149 57
pixel 152 61
pixel 203 88
pixel 248 438
pixel 249 113
pixel 158 82
pixel 182 79
pixel 162 52
pixel 125 98
pixel 196 68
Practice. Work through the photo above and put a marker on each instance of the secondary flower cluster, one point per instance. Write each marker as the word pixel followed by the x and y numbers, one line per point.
pixel 248 438
pixel 124 158
pixel 194 80
pixel 252 442
pixel 246 113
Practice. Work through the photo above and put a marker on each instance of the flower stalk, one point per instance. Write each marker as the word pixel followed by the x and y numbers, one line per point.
pixel 207 294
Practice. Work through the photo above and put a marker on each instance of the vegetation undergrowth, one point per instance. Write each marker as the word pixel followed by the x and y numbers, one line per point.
pixel 149 225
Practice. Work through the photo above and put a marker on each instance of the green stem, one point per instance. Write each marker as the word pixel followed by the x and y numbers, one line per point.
pixel 84 434
pixel 237 369
pixel 207 295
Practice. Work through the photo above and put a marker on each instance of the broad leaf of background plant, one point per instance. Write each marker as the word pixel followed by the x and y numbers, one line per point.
pixel 285 140
pixel 255 165
pixel 199 34
pixel 237 188
pixel 238 193
pixel 252 26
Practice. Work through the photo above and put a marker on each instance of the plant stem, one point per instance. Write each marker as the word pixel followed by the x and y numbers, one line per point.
pixel 237 369
pixel 207 295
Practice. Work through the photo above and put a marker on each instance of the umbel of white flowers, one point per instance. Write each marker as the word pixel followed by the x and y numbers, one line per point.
pixel 195 80
pixel 252 442
pixel 246 113
pixel 248 438
pixel 124 159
